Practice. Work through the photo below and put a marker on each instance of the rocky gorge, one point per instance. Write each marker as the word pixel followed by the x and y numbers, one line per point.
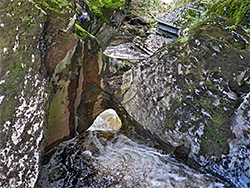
pixel 189 97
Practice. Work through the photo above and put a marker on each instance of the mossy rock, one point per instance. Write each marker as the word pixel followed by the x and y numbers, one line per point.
pixel 84 35
pixel 214 53
pixel 105 8
pixel 236 10
pixel 100 7
pixel 57 6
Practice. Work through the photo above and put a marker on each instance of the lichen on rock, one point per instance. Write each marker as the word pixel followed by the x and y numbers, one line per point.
pixel 23 93
pixel 182 91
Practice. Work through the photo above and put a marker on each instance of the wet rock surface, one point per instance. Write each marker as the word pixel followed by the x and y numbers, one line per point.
pixel 43 53
pixel 77 96
pixel 186 91
pixel 193 93
pixel 111 159
pixel 135 47
pixel 23 93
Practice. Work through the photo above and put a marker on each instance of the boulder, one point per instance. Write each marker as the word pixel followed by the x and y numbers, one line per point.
pixel 188 93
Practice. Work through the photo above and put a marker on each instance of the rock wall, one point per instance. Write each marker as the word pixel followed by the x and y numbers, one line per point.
pixel 23 93
pixel 193 93
pixel 47 65
pixel 189 94
pixel 77 96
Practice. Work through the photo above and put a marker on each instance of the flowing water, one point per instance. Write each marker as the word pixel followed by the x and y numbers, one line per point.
pixel 104 158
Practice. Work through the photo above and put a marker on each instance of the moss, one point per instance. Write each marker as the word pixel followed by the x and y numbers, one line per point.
pixel 23 32
pixel 83 34
pixel 104 9
pixel 217 45
pixel 170 123
pixel 171 116
pixel 214 139
pixel 176 103
pixel 53 5
pixel 184 39
pixel 233 27
pixel 105 96
pixel 148 10
pixel 100 7
pixel 236 10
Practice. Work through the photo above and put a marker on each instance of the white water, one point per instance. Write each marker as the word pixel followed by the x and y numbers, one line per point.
pixel 135 165
pixel 110 159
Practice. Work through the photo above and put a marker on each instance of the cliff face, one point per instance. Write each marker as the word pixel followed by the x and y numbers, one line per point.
pixel 192 93
pixel 23 93
pixel 75 64
pixel 47 64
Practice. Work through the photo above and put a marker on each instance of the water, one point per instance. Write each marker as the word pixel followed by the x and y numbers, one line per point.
pixel 108 159
pixel 112 159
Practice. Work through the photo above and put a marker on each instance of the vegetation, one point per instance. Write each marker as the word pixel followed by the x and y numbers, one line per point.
pixel 233 27
pixel 148 9
pixel 53 5
pixel 237 11
pixel 184 38
pixel 101 6
pixel 83 34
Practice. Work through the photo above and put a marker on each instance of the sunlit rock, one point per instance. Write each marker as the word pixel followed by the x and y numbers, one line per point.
pixel 46 59
pixel 107 120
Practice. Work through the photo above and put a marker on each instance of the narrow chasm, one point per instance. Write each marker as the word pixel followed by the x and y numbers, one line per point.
pixel 155 99
pixel 125 93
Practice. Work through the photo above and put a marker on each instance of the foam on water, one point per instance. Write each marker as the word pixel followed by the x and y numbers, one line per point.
pixel 111 159
pixel 135 165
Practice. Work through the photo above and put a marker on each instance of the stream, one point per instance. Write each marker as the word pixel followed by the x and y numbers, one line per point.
pixel 105 157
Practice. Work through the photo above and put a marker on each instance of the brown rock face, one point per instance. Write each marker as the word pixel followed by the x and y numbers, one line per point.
pixel 61 62
pixel 91 102
pixel 61 121
pixel 64 42
pixel 74 66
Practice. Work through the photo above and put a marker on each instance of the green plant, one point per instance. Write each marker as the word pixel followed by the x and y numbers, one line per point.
pixel 235 10
pixel 148 9
pixel 184 38
pixel 99 6
pixel 85 35
pixel 197 19
pixel 53 5
pixel 248 30
pixel 233 27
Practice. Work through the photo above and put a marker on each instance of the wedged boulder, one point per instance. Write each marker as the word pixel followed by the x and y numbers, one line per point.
pixel 104 23
pixel 189 92
pixel 74 62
